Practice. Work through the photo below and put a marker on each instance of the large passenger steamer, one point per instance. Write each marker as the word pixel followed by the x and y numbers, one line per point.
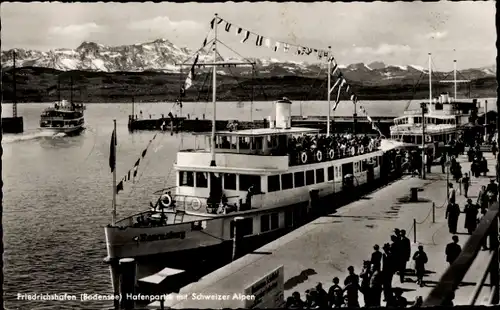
pixel 260 174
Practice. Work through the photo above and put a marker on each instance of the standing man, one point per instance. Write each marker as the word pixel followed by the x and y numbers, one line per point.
pixel 387 271
pixel 465 183
pixel 452 214
pixel 453 250
pixel 376 259
pixel 420 258
pixel 351 283
pixel 442 161
pixel 470 211
pixel 451 193
pixel 405 247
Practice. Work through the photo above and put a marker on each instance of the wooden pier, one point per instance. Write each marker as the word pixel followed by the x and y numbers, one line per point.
pixel 339 124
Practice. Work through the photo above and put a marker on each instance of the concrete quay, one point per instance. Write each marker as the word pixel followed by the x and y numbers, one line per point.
pixel 324 248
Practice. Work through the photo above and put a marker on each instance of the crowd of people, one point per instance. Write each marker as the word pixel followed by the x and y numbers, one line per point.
pixel 342 145
pixel 374 280
pixel 376 277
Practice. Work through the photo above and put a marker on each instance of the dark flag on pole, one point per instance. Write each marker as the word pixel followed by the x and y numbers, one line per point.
pixel 112 151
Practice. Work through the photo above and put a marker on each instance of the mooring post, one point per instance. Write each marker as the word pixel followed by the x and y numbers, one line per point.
pixel 128 272
pixel 414 231
pixel 494 267
pixel 433 212
pixel 237 237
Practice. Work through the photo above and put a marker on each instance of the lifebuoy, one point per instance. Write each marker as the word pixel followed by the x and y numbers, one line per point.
pixel 166 200
pixel 428 139
pixel 303 157
pixel 353 151
pixel 361 149
pixel 319 155
pixel 195 204
pixel 331 154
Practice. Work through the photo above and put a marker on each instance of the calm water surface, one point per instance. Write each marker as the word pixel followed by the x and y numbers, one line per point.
pixel 57 192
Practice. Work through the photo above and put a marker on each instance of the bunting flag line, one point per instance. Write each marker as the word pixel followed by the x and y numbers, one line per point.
pixel 132 173
pixel 220 21
pixel 276 46
pixel 228 27
pixel 239 31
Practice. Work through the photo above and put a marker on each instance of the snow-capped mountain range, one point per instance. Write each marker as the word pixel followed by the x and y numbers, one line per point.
pixel 162 55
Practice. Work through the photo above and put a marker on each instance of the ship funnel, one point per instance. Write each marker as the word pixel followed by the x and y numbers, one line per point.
pixel 283 113
pixel 445 98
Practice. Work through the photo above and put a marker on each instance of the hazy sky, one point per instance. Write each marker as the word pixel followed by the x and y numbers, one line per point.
pixel 396 33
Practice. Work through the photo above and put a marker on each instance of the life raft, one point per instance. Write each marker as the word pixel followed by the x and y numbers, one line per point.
pixel 331 154
pixel 166 200
pixel 319 155
pixel 195 204
pixel 303 157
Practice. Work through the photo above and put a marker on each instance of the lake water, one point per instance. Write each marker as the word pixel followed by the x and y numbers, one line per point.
pixel 57 192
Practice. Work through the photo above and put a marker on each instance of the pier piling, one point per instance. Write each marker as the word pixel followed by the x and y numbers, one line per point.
pixel 237 237
pixel 414 194
pixel 433 212
pixel 128 270
pixel 414 231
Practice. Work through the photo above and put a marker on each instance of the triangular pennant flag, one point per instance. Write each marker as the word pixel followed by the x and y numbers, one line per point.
pixel 128 176
pixel 257 40
pixel 335 85
pixel 220 21
pixel 268 43
pixel 260 41
pixel 334 69
pixel 212 23
pixel 228 26
pixel 286 47
pixel 119 187
pixel 276 46
pixel 205 42
pixel 239 31
pixel 136 165
pixel 247 35
pixel 340 88
pixel 144 152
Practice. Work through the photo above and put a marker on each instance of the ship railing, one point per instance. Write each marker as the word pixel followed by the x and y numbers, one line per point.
pixel 487 230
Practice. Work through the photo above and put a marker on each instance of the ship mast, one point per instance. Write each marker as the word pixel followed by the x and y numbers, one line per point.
pixel 214 86
pixel 455 78
pixel 14 89
pixel 328 92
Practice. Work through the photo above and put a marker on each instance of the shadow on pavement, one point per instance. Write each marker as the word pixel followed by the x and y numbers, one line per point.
pixel 299 279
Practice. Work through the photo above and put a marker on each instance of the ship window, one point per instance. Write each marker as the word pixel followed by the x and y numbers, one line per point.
pixel 320 175
pixel 288 218
pixel 248 180
pixel 186 178
pixel 286 181
pixel 330 173
pixel 264 223
pixel 246 227
pixel 274 221
pixel 299 179
pixel 230 181
pixel 309 177
pixel 201 179
pixel 273 183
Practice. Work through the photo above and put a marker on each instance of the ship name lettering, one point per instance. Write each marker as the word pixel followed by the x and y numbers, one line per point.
pixel 165 236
